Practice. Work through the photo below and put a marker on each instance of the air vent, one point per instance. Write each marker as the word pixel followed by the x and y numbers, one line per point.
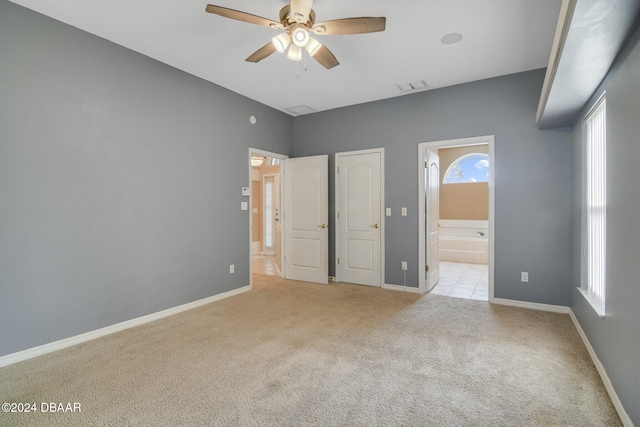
pixel 407 87
pixel 300 110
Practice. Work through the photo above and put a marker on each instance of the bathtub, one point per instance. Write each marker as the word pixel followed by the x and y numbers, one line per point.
pixel 464 241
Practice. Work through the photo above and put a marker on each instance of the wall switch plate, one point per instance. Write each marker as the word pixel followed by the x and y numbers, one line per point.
pixel 388 211
pixel 232 268
pixel 404 211
pixel 244 206
pixel 524 276
pixel 246 191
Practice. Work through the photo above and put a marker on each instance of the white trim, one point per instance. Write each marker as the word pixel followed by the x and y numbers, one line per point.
pixel 88 336
pixel 562 29
pixel 532 305
pixel 476 140
pixel 410 289
pixel 594 302
pixel 382 210
pixel 608 385
pixel 275 156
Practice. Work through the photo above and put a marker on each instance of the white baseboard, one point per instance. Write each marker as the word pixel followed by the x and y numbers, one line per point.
pixel 531 305
pixel 401 288
pixel 624 417
pixel 88 336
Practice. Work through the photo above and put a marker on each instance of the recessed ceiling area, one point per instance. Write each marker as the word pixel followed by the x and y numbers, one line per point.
pixel 588 39
pixel 499 37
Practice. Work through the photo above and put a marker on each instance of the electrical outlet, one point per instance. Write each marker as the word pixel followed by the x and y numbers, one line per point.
pixel 232 268
pixel 404 265
pixel 524 276
pixel 404 211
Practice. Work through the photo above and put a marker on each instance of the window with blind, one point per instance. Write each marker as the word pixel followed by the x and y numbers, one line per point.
pixel 594 234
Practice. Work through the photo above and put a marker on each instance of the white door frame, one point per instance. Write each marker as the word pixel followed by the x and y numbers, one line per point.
pixel 264 211
pixel 382 209
pixel 449 143
pixel 275 156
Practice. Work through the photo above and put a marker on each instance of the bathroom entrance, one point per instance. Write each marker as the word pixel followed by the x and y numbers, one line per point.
pixel 462 220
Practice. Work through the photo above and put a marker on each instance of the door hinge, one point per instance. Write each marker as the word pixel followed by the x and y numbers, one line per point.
pixel 338 169
pixel 426 165
pixel 338 260
pixel 338 215
pixel 426 268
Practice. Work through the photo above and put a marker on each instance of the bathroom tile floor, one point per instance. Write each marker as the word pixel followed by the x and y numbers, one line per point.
pixel 469 281
pixel 264 264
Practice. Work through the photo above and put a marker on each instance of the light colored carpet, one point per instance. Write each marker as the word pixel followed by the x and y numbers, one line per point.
pixel 292 353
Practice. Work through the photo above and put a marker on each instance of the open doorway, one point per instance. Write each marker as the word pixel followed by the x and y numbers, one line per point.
pixel 289 217
pixel 456 232
pixel 266 230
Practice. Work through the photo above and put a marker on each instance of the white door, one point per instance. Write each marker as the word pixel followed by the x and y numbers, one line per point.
pixel 359 218
pixel 432 217
pixel 306 219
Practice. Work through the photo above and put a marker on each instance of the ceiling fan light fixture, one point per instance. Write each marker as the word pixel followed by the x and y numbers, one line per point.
pixel 313 46
pixel 295 53
pixel 281 42
pixel 300 37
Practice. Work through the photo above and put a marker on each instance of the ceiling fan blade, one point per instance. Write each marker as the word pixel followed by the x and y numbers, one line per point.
pixel 262 53
pixel 242 16
pixel 300 10
pixel 326 58
pixel 351 26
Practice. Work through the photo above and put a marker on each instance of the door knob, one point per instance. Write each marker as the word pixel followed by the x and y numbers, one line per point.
pixel 375 226
pixel 322 226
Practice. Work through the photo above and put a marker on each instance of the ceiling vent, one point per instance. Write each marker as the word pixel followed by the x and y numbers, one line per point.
pixel 407 87
pixel 300 110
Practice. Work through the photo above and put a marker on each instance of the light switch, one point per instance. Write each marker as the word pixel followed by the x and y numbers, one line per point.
pixel 404 211
pixel 388 211
pixel 244 206
pixel 246 191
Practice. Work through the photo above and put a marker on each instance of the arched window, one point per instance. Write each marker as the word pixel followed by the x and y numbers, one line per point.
pixel 472 167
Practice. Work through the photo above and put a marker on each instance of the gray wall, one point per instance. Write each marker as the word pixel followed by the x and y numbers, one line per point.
pixel 616 337
pixel 120 182
pixel 120 186
pixel 533 175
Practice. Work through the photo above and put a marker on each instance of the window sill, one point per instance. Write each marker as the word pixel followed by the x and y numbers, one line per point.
pixel 596 303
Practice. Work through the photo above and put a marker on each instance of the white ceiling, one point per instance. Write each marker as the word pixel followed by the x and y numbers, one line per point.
pixel 500 37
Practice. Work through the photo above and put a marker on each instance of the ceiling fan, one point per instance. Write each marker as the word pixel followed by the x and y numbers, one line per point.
pixel 298 20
